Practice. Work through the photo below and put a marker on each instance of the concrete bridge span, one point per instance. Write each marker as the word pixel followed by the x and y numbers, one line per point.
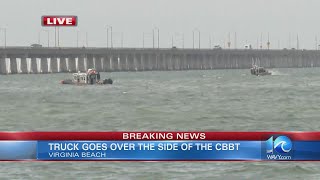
pixel 26 60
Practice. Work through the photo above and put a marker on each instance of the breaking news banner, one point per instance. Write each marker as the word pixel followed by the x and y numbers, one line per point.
pixel 160 146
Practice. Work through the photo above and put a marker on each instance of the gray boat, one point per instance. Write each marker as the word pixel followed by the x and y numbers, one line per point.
pixel 89 77
pixel 259 71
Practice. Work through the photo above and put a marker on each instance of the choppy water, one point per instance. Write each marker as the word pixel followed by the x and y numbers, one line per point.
pixel 186 100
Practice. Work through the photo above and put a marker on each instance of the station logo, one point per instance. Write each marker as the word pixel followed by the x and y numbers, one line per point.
pixel 59 20
pixel 279 148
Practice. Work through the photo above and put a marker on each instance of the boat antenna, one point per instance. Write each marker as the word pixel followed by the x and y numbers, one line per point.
pixel 316 39
pixel 261 41
pixel 229 42
pixel 235 40
pixel 297 41
pixel 268 43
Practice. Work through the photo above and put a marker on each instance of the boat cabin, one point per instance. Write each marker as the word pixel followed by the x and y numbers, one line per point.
pixel 91 77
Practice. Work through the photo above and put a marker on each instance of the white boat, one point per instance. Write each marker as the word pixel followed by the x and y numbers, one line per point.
pixel 90 77
pixel 257 70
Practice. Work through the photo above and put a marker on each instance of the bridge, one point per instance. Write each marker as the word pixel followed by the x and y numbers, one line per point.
pixel 27 60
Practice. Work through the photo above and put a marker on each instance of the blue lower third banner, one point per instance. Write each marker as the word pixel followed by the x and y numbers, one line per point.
pixel 161 150
pixel 149 150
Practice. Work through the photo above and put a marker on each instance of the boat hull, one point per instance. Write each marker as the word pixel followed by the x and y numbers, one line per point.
pixel 257 73
pixel 263 74
pixel 71 82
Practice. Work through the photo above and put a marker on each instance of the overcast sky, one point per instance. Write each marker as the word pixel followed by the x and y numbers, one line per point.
pixel 215 18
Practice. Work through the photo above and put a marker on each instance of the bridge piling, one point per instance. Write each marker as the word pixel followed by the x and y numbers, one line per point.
pixel 72 64
pixel 63 64
pixel 81 63
pixel 44 67
pixel 98 63
pixel 3 65
pixel 53 64
pixel 23 65
pixel 13 65
pixel 90 62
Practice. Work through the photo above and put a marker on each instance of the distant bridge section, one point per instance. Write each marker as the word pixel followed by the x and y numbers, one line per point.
pixel 26 60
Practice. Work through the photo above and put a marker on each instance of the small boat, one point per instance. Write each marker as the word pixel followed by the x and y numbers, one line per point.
pixel 259 71
pixel 90 77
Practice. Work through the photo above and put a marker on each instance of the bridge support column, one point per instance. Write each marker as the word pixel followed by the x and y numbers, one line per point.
pixel 13 65
pixel 23 65
pixel 163 63
pixel 90 62
pixel 98 63
pixel 72 64
pixel 177 62
pixel 3 65
pixel 227 62
pixel 210 59
pixel 122 62
pixel 114 63
pixel 33 65
pixel 205 62
pixel 173 62
pixel 145 61
pixel 157 62
pixel 149 62
pixel 119 63
pixel 53 64
pixel 182 62
pixel 136 63
pixel 169 62
pixel 63 64
pixel 127 63
pixel 234 61
pixel 201 62
pixel 44 68
pixel 106 63
pixel 219 63
pixel 130 60
pixel 154 62
pixel 189 62
pixel 80 64
pixel 142 62
pixel 111 63
pixel 193 62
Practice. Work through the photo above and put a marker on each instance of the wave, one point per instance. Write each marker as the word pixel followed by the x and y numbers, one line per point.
pixel 277 73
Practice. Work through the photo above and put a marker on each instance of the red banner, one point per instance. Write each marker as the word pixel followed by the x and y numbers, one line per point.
pixel 163 135
pixel 59 20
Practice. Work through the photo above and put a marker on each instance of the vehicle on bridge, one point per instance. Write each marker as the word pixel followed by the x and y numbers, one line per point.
pixel 247 46
pixel 217 47
pixel 90 77
pixel 36 45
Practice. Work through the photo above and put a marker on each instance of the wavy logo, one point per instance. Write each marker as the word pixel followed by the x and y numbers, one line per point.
pixel 281 144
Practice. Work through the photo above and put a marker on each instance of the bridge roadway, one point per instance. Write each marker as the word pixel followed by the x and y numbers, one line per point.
pixel 27 60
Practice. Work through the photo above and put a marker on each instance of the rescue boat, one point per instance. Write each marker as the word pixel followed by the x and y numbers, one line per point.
pixel 90 77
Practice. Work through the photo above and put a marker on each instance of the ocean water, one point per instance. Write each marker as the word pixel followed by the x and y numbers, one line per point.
pixel 213 100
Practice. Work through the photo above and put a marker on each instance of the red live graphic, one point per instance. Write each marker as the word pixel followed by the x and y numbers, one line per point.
pixel 59 20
